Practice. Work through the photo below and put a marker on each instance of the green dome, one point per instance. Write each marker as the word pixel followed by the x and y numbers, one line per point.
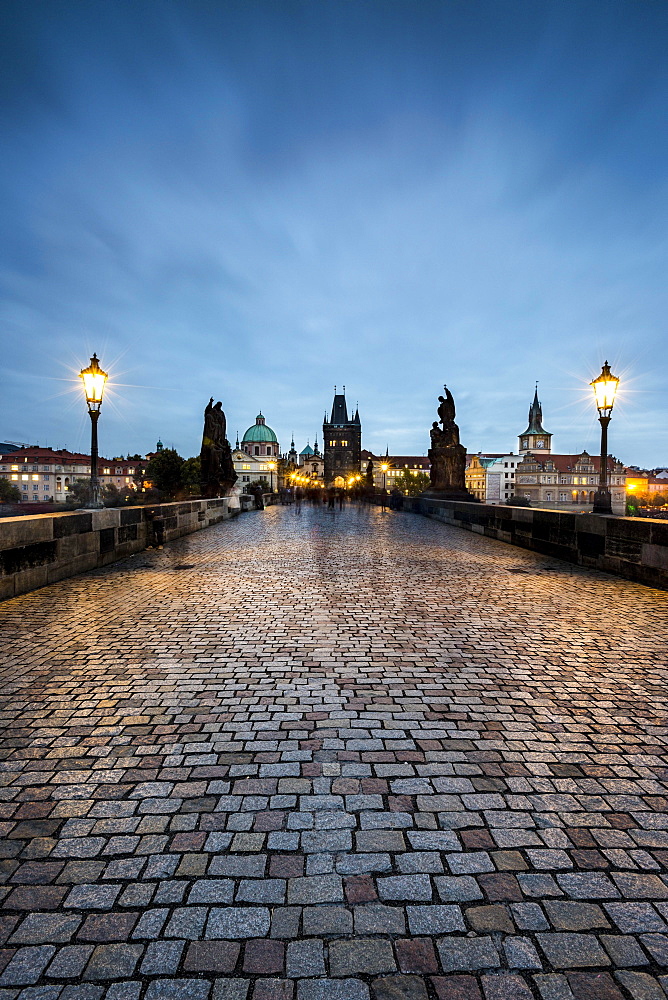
pixel 259 431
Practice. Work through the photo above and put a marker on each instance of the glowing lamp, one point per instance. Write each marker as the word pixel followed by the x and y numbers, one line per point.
pixel 94 379
pixel 605 390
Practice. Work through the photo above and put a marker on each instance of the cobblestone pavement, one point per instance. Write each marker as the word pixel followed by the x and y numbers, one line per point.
pixel 334 756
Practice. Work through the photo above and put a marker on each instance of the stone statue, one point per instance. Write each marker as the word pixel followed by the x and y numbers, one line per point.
pixel 446 455
pixel 218 475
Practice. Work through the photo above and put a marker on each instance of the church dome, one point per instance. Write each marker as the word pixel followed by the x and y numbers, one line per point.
pixel 307 452
pixel 259 432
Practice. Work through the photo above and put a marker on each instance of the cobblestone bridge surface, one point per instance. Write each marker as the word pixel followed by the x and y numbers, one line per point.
pixel 334 756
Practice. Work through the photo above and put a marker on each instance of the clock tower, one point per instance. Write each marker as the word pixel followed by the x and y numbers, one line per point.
pixel 535 438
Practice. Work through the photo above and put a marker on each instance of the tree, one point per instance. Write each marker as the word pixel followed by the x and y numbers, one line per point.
pixel 191 475
pixel 9 493
pixel 411 483
pixel 517 501
pixel 78 492
pixel 164 471
pixel 262 483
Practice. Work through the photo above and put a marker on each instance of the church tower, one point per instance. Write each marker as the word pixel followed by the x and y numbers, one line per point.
pixel 342 442
pixel 535 437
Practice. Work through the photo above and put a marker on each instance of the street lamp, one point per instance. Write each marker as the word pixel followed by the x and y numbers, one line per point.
pixel 605 389
pixel 384 467
pixel 93 382
pixel 272 466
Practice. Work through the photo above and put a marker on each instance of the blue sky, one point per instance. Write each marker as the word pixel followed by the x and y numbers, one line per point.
pixel 257 200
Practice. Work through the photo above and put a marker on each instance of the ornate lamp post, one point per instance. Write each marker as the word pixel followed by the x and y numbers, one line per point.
pixel 272 466
pixel 384 467
pixel 605 389
pixel 94 380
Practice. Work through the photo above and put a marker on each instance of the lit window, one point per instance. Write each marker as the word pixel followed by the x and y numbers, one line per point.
pixel 15 468
pixel 24 477
pixel 106 472
pixel 131 472
pixel 14 477
pixel 35 477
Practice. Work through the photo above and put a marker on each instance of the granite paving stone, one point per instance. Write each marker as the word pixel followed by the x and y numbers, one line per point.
pixel 337 756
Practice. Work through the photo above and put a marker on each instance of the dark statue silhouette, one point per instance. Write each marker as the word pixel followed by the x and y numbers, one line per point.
pixel 447 456
pixel 218 475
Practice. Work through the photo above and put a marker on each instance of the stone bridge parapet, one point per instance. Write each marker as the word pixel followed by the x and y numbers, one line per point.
pixel 39 549
pixel 632 547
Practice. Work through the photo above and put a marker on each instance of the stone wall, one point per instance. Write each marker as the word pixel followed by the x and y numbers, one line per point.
pixel 39 549
pixel 633 547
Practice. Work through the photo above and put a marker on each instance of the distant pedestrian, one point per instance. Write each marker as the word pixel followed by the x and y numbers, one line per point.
pixel 331 496
pixel 298 500
pixel 341 498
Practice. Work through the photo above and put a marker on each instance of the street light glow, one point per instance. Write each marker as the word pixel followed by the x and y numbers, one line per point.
pixel 94 379
pixel 605 390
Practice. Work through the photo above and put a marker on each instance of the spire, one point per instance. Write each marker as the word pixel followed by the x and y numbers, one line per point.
pixel 387 451
pixel 315 446
pixel 237 444
pixel 535 416
pixel 339 409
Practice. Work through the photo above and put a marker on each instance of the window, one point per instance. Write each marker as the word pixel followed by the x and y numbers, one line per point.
pixel 131 472
pixel 24 477
pixel 14 477
pixel 344 444
pixel 245 466
pixel 15 468
pixel 548 496
pixel 106 472
pixel 47 477
pixel 119 471
pixel 35 496
pixel 24 486
pixel 257 449
pixel 268 449
pixel 33 477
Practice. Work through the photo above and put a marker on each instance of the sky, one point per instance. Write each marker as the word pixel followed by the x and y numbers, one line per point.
pixel 259 200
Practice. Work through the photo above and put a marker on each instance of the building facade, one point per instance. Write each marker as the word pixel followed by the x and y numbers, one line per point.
pixel 491 478
pixel 342 443
pixel 569 482
pixel 250 468
pixel 45 476
pixel 311 463
pixel 398 466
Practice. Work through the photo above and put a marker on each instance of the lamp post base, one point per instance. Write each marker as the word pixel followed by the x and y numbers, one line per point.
pixel 602 502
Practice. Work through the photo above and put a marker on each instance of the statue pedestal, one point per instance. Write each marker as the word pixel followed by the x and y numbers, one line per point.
pixel 463 496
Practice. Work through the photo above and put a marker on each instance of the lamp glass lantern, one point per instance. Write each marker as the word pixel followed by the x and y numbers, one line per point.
pixel 605 390
pixel 94 380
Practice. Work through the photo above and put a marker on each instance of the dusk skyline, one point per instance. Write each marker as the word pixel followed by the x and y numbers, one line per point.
pixel 258 200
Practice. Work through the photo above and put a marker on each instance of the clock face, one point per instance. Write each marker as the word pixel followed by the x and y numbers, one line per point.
pixel 540 444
